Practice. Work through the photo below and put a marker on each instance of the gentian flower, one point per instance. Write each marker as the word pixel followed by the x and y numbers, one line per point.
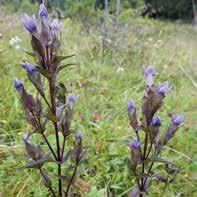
pixel 156 122
pixel 18 85
pixel 135 153
pixel 30 23
pixel 29 68
pixel 176 120
pixel 59 110
pixel 78 136
pixel 43 13
pixel 46 37
pixel 164 88
pixel 154 130
pixel 71 100
pixel 55 27
pixel 148 74
pixel 145 95
pixel 135 144
pixel 132 115
pixel 130 107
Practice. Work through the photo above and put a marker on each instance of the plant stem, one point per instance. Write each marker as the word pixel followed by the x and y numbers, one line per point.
pixel 43 135
pixel 51 149
pixel 149 151
pixel 144 157
pixel 150 168
pixel 46 101
pixel 52 95
pixel 63 147
pixel 71 180
pixel 53 107
pixel 50 188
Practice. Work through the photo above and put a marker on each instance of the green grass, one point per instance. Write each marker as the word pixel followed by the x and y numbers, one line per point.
pixel 101 89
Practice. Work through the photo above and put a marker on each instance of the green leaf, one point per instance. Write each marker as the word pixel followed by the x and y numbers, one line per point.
pixel 52 117
pixel 63 177
pixel 64 66
pixel 57 59
pixel 159 159
pixel 43 72
pixel 38 163
pixel 29 53
pixel 61 58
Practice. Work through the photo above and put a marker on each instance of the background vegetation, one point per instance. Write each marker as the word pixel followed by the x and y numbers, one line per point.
pixel 103 81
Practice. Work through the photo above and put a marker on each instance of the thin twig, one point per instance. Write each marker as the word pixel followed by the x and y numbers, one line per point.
pixel 63 147
pixel 144 156
pixel 50 188
pixel 149 151
pixel 190 78
pixel 53 104
pixel 38 123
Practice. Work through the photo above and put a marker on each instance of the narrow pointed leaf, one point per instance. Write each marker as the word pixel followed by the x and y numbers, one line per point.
pixel 159 159
pixel 64 66
pixel 29 53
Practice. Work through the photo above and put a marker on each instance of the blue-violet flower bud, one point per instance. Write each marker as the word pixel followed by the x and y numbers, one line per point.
pixel 135 144
pixel 30 23
pixel 148 74
pixel 156 122
pixel 18 85
pixel 164 88
pixel 78 135
pixel 132 115
pixel 71 100
pixel 176 120
pixel 43 12
pixel 55 27
pixel 29 68
pixel 130 107
pixel 154 129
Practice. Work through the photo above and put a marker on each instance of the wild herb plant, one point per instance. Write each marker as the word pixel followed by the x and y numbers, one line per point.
pixel 51 111
pixel 145 150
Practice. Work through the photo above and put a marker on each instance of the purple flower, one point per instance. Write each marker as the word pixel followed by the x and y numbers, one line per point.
pixel 164 88
pixel 135 144
pixel 135 153
pixel 176 120
pixel 148 74
pixel 132 115
pixel 29 68
pixel 156 122
pixel 145 95
pixel 71 100
pixel 43 12
pixel 55 27
pixel 43 15
pixel 30 23
pixel 78 135
pixel 59 110
pixel 18 85
pixel 130 107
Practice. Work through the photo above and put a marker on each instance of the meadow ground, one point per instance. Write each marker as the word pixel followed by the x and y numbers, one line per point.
pixel 103 83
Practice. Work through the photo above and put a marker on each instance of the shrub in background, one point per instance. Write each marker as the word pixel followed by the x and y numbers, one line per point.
pixel 54 114
pixel 145 150
pixel 172 9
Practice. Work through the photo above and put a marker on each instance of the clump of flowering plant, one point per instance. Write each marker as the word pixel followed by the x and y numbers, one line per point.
pixel 146 148
pixel 51 111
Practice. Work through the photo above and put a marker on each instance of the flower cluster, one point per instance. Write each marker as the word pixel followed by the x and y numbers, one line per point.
pixel 57 110
pixel 145 151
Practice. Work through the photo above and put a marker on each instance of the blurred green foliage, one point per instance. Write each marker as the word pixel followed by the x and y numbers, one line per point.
pixel 89 9
pixel 172 9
